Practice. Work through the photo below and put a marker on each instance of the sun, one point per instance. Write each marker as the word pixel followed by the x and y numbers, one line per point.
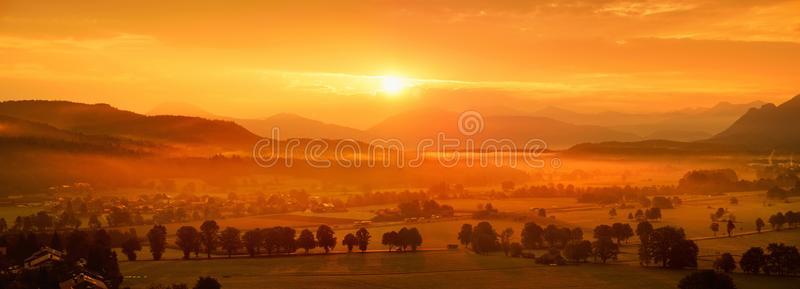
pixel 392 85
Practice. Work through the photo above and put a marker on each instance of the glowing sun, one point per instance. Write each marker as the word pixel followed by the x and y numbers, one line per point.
pixel 393 85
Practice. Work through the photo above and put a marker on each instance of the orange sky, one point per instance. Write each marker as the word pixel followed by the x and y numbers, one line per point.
pixel 324 59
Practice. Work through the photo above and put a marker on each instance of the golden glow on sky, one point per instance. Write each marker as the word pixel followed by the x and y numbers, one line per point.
pixel 392 85
pixel 327 59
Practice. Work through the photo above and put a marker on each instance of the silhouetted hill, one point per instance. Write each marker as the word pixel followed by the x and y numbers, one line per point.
pixel 295 126
pixel 103 119
pixel 17 136
pixel 412 126
pixel 766 128
pixel 290 125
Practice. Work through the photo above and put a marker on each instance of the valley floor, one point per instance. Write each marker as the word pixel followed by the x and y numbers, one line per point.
pixel 432 269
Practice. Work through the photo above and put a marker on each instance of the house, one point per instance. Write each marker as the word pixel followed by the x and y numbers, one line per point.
pixel 12 270
pixel 83 280
pixel 44 257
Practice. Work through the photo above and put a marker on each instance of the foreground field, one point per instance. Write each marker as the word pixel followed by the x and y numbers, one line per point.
pixel 443 269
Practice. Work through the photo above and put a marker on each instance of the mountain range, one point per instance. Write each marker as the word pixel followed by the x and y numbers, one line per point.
pixel 50 143
pixel 412 126
pixel 682 125
pixel 102 120
pixel 765 128
pixel 769 127
pixel 560 128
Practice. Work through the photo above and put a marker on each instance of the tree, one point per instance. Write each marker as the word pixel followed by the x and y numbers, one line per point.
pixel 603 231
pixel 231 240
pixel 130 246
pixel 272 239
pixel 505 240
pixel 725 263
pixel 516 249
pixel 662 203
pixel 706 279
pixel 612 213
pixel 604 249
pixel 777 221
pixel 350 241
pixel 55 243
pixel 622 232
pixel 715 228
pixel 284 239
pixel 465 235
pixel 753 260
pixel 390 239
pixel 792 218
pixel 157 236
pixel 209 236
pixel 103 260
pixel 484 238
pixel 252 241
pixel 43 221
pixel 325 238
pixel 643 230
pixel 578 251
pixel 668 246
pixel 653 214
pixel 3 225
pixel 759 224
pixel 730 227
pixel 306 240
pixel 576 234
pixel 414 238
pixel 207 283
pixel 363 236
pixel 782 259
pixel 639 215
pixel 94 222
pixel 551 235
pixel 531 236
pixel 188 240
pixel 77 246
pixel 507 186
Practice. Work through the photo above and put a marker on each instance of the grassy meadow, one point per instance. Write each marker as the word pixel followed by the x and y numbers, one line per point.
pixel 441 268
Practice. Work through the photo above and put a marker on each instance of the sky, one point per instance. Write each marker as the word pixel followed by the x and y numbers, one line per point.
pixel 357 62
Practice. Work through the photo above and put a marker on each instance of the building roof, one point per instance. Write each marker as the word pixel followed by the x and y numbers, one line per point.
pixel 83 280
pixel 42 256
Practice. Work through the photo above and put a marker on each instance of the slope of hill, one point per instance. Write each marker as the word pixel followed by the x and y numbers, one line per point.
pixel 412 126
pixel 766 128
pixel 18 136
pixel 103 119
pixel 290 125
pixel 295 126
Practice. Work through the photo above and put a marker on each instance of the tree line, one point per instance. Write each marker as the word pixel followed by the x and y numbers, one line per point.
pixel 666 246
pixel 276 240
pixel 90 250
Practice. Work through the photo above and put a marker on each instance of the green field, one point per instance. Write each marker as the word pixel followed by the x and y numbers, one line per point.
pixel 462 269
pixel 444 269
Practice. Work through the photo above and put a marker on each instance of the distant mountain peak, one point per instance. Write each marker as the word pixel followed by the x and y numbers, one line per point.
pixel 766 128
pixel 793 103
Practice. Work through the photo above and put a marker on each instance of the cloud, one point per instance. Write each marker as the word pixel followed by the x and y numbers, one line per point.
pixel 117 42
